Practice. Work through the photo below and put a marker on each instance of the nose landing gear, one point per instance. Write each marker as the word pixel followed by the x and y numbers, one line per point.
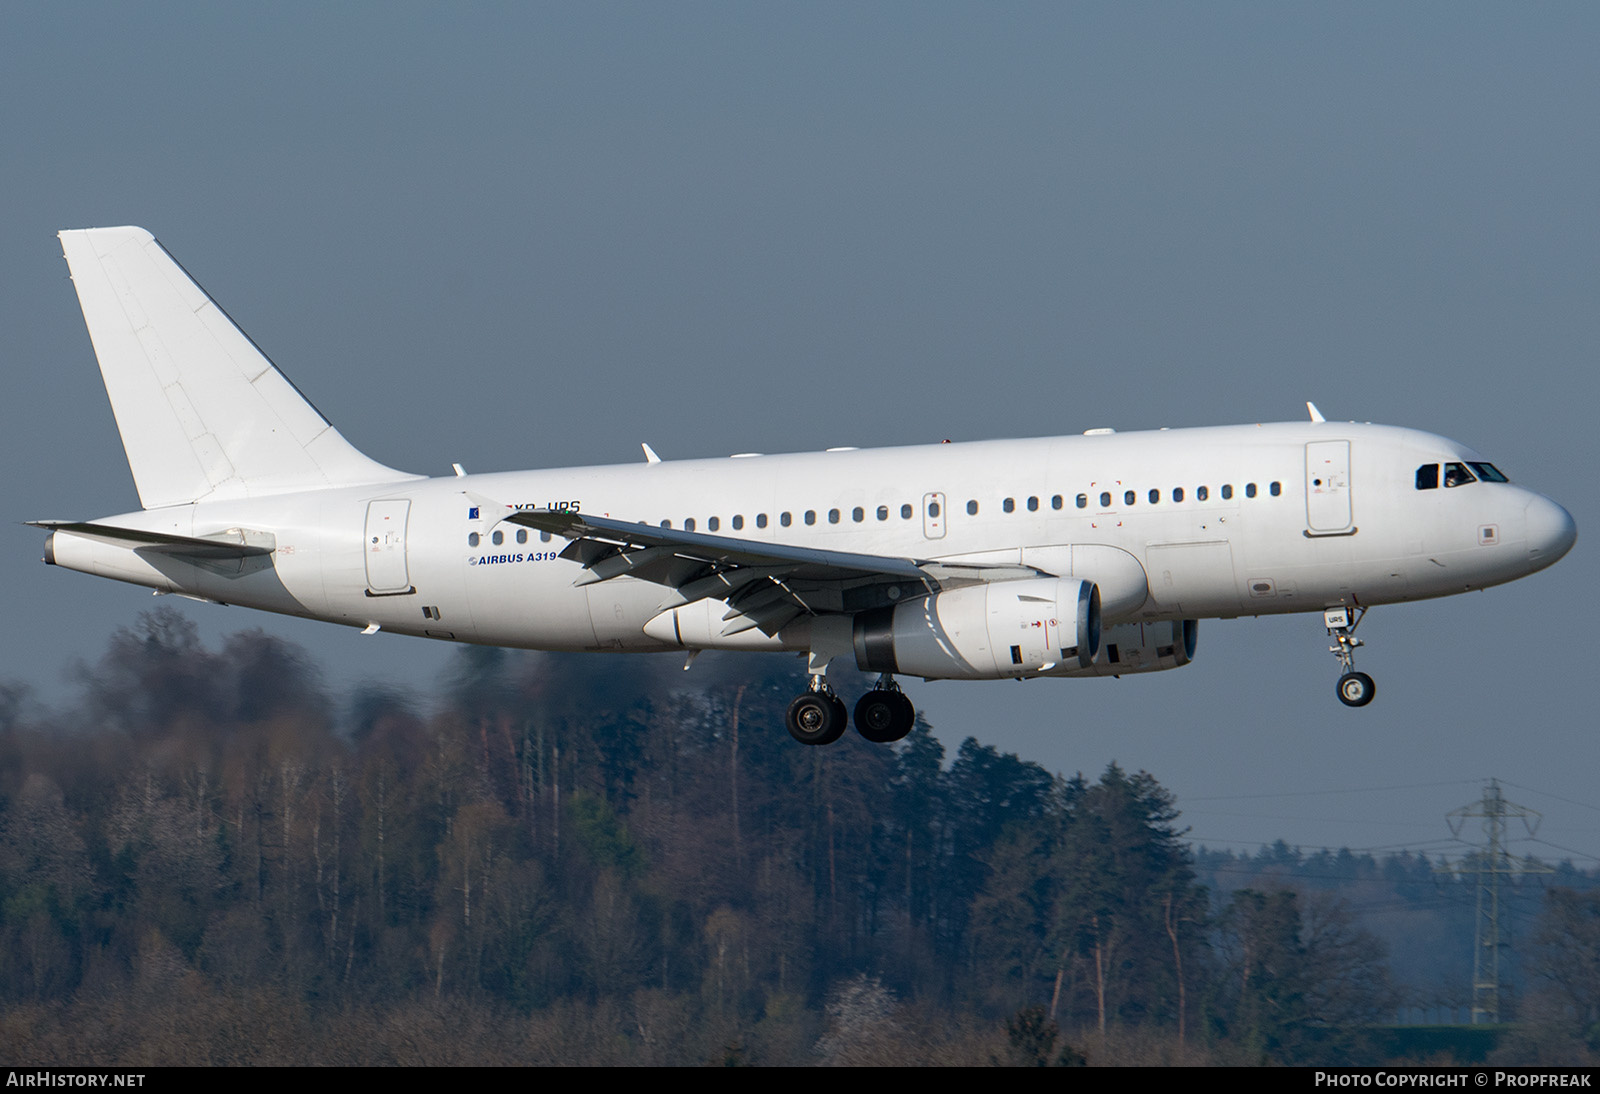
pixel 1355 689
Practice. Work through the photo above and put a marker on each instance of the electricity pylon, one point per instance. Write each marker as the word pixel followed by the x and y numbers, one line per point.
pixel 1490 866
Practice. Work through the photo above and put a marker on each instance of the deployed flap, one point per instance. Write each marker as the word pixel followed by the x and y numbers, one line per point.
pixel 234 543
pixel 202 412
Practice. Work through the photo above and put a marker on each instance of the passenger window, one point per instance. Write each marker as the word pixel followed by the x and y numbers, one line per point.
pixel 761 520
pixel 1227 491
pixel 713 524
pixel 498 538
pixel 811 516
pixel 972 508
pixel 906 511
pixel 1249 489
pixel 1428 477
pixel 785 519
pixel 472 539
pixel 883 512
pixel 666 524
pixel 544 537
pixel 1456 474
pixel 1083 501
pixel 1201 493
pixel 933 508
pixel 1105 499
pixel 833 516
pixel 1177 493
pixel 1276 489
pixel 858 514
pixel 738 522
pixel 1009 505
pixel 1055 502
pixel 522 535
pixel 1033 505
pixel 1155 496
pixel 688 525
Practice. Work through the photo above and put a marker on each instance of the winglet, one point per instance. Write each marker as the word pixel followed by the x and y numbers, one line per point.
pixel 649 453
pixel 1316 415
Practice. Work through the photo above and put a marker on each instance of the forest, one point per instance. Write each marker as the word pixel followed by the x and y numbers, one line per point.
pixel 208 858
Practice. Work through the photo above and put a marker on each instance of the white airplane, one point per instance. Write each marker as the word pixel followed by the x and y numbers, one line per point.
pixel 1091 555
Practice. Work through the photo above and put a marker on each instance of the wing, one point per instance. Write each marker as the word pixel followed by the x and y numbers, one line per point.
pixel 765 585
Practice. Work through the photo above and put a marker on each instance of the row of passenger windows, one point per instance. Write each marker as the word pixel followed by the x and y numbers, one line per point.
pixel 785 520
pixel 1201 493
pixel 1457 474
pixel 858 515
pixel 497 538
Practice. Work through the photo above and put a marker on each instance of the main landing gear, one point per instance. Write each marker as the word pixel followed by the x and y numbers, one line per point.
pixel 816 717
pixel 883 715
pixel 1355 689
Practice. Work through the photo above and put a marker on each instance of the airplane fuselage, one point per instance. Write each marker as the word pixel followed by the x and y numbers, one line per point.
pixel 1175 524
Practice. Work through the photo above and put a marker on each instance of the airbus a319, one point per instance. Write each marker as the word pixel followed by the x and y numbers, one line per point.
pixel 1088 555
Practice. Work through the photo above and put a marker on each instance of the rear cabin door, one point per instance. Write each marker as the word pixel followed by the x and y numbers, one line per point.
pixel 385 546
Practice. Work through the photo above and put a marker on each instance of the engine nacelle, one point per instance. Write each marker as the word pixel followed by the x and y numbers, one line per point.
pixel 985 632
pixel 1142 647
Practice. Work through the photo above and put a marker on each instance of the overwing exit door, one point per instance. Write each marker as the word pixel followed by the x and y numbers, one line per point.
pixel 933 515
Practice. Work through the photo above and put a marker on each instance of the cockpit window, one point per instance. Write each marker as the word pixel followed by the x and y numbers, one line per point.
pixel 1488 472
pixel 1456 474
pixel 1428 477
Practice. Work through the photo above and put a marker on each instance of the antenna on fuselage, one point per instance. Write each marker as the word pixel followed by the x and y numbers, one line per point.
pixel 1316 415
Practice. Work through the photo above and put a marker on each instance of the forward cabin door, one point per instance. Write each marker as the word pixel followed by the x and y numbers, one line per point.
pixel 385 546
pixel 1328 488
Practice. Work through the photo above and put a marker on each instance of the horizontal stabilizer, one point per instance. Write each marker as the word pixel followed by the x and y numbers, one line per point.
pixel 233 544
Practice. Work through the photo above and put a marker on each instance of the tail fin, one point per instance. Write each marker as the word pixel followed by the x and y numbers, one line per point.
pixel 202 412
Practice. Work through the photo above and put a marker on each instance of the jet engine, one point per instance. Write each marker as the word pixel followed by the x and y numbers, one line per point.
pixel 1141 647
pixel 984 632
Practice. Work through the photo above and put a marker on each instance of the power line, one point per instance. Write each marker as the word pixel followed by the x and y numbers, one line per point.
pixel 1319 793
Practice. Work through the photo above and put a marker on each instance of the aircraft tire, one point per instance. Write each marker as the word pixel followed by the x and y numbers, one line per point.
pixel 816 719
pixel 1356 689
pixel 883 717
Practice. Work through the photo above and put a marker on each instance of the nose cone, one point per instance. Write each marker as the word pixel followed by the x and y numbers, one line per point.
pixel 1551 531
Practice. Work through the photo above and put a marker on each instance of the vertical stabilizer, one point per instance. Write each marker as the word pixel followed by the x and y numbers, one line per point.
pixel 202 412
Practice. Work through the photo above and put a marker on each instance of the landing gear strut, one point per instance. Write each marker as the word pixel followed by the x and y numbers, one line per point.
pixel 1355 689
pixel 816 717
pixel 884 714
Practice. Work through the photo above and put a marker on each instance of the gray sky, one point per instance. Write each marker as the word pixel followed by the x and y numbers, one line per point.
pixel 535 235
